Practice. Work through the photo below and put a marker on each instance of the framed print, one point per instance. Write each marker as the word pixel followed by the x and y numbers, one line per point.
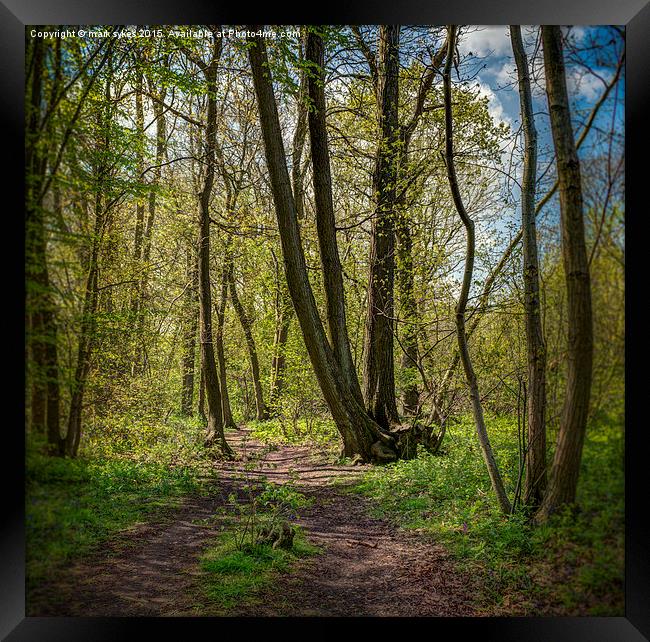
pixel 326 317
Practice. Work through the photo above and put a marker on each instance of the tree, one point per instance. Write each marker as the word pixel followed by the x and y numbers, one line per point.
pixel 563 479
pixel 262 412
pixel 463 349
pixel 361 435
pixel 378 367
pixel 536 399
pixel 215 429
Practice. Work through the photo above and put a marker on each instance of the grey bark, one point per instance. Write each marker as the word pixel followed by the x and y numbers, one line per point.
pixel 563 479
pixel 536 349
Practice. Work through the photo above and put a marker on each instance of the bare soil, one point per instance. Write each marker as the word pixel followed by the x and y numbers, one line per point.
pixel 367 567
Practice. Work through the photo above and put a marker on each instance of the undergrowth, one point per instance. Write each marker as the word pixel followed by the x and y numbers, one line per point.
pixel 571 565
pixel 233 575
pixel 73 505
pixel 313 430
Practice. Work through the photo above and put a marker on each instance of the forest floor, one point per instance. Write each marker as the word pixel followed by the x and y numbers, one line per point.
pixel 366 566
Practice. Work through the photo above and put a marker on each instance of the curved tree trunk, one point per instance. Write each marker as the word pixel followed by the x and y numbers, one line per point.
pixel 326 221
pixel 536 455
pixel 563 480
pixel 486 448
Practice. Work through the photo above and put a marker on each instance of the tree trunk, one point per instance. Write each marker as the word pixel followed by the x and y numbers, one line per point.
pixel 261 411
pixel 220 309
pixel 215 433
pixel 536 349
pixel 408 307
pixel 143 243
pixel 201 402
pixel 486 448
pixel 189 340
pixel 359 432
pixel 325 219
pixel 563 480
pixel 87 330
pixel 283 316
pixel 299 137
pixel 378 370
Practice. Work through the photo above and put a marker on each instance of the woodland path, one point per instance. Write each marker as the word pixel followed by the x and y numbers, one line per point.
pixel 368 567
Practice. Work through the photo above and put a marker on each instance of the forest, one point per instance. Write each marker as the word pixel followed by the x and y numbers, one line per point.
pixel 324 320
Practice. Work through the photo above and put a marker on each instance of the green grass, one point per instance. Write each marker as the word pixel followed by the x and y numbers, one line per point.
pixel 573 564
pixel 73 505
pixel 316 430
pixel 234 575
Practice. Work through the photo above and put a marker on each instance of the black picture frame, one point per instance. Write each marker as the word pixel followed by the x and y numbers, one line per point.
pixel 633 14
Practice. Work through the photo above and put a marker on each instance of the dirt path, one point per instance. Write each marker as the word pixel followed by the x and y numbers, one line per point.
pixel 367 568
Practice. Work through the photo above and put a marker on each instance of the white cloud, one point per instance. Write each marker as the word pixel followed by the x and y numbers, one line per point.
pixel 495 107
pixel 484 41
pixel 506 74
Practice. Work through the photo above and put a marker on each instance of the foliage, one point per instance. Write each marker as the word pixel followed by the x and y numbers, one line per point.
pixel 73 505
pixel 573 564
pixel 233 575
pixel 309 429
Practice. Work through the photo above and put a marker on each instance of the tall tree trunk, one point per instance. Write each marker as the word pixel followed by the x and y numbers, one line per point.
pixel 261 411
pixel 143 244
pixel 486 448
pixel 201 402
pixel 378 367
pixel 299 136
pixel 408 307
pixel 215 433
pixel 189 339
pixel 220 309
pixel 563 480
pixel 536 349
pixel 403 265
pixel 359 432
pixel 325 219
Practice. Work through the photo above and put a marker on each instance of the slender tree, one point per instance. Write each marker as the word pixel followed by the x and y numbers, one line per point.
pixel 215 430
pixel 563 479
pixel 190 327
pixel 361 435
pixel 261 410
pixel 220 310
pixel 463 349
pixel 536 349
